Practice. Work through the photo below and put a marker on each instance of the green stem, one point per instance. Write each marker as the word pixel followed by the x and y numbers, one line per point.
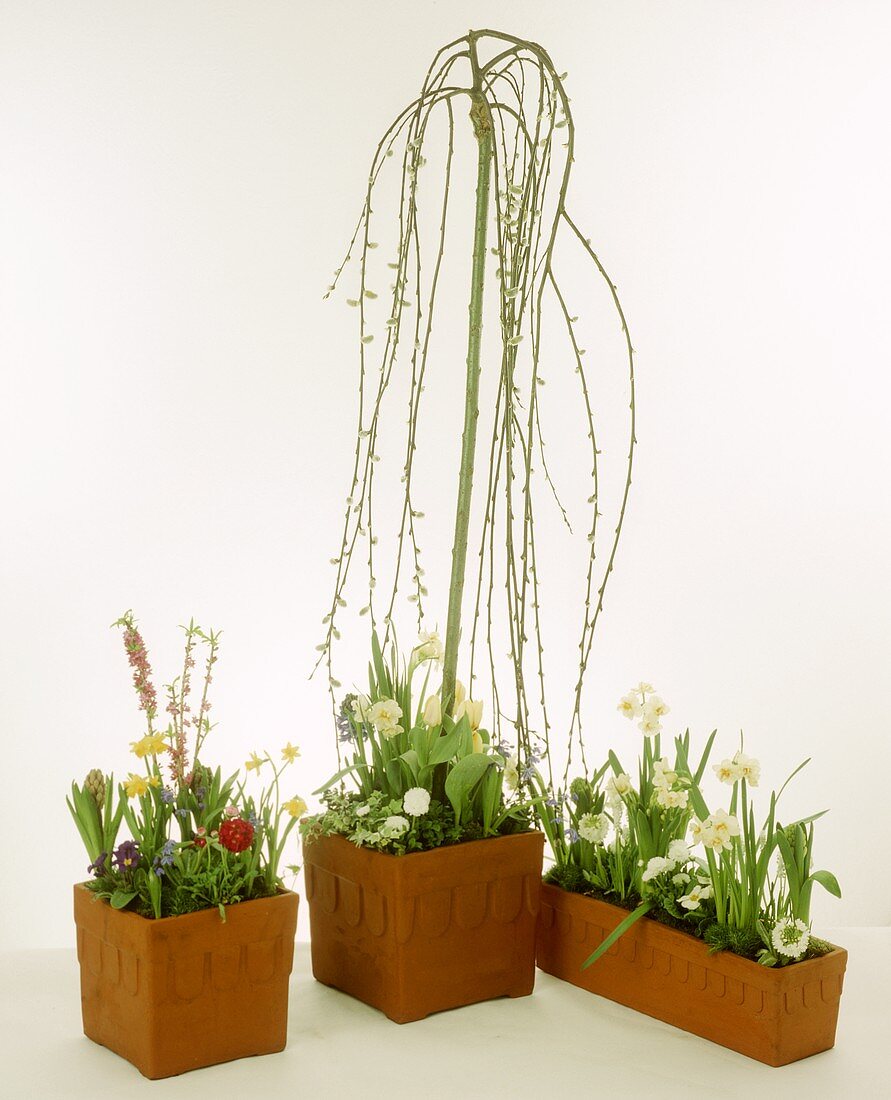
pixel 482 125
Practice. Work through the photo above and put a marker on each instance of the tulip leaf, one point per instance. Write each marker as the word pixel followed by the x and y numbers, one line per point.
pixel 828 881
pixel 122 898
pixel 463 777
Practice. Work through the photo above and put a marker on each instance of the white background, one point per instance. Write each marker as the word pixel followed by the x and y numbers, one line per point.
pixel 177 182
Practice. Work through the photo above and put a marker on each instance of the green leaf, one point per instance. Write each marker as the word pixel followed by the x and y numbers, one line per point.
pixel 380 669
pixel 617 932
pixel 121 898
pixel 463 777
pixel 445 747
pixel 348 770
pixel 828 881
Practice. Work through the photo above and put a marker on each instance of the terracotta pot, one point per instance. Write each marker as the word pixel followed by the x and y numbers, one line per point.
pixel 175 994
pixel 776 1015
pixel 422 932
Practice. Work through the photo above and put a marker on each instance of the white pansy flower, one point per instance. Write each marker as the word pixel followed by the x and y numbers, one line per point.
pixel 384 715
pixel 629 705
pixel 618 785
pixel 429 647
pixel 790 938
pixel 749 768
pixel 593 827
pixel 658 865
pixel 416 801
pixel 395 825
pixel 672 800
pixel 472 709
pixel 698 894
pixel 722 828
pixel 432 711
pixel 678 851
pixel 727 771
pixel 512 773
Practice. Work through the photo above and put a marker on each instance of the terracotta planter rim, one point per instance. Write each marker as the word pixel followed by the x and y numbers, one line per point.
pixel 686 939
pixel 128 914
pixel 463 845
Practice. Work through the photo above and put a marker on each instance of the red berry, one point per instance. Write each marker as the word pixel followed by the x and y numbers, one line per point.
pixel 200 842
pixel 236 834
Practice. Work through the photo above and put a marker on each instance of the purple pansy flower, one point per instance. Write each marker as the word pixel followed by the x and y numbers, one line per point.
pixel 126 856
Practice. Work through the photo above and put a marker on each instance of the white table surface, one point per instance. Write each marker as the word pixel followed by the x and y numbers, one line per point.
pixel 561 1040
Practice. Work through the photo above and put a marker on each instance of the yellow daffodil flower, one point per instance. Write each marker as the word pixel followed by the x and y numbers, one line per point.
pixel 137 785
pixel 150 745
pixel 290 753
pixel 254 764
pixel 296 807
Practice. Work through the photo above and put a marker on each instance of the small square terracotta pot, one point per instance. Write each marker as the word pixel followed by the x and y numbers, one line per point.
pixel 179 993
pixel 775 1015
pixel 427 931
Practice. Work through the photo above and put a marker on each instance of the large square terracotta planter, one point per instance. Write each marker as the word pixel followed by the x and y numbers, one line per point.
pixel 427 931
pixel 179 993
pixel 776 1015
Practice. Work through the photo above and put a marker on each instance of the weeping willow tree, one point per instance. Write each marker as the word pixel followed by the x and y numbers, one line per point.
pixel 520 116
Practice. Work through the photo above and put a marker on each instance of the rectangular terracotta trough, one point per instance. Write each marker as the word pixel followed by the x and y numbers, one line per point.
pixel 419 933
pixel 776 1015
pixel 179 993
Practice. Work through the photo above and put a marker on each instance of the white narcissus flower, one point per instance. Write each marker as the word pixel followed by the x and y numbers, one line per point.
pixel 644 687
pixel 619 785
pixel 727 771
pixel 790 938
pixel 432 711
pixel 701 831
pixel 512 773
pixel 360 708
pixel 722 828
pixel 672 800
pixel 658 865
pixel 416 801
pixel 663 776
pixel 384 715
pixel 698 894
pixel 429 647
pixel 395 825
pixel 678 851
pixel 629 705
pixel 473 709
pixel 593 827
pixel 655 707
pixel 649 726
pixel 749 768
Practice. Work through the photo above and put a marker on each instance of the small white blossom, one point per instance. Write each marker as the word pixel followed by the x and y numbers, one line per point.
pixel 678 851
pixel 722 828
pixel 672 800
pixel 649 726
pixel 618 785
pixel 629 705
pixel 512 773
pixel 655 707
pixel 663 776
pixel 593 827
pixel 658 865
pixel 727 771
pixel 416 801
pixel 360 707
pixel 790 938
pixel 395 825
pixel 698 894
pixel 680 878
pixel 749 768
pixel 429 647
pixel 384 716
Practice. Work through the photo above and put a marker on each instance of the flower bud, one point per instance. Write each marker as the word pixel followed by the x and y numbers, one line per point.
pixel 433 711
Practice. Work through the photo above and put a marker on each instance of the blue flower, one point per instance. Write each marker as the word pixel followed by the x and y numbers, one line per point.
pixel 167 795
pixel 573 836
pixel 182 812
